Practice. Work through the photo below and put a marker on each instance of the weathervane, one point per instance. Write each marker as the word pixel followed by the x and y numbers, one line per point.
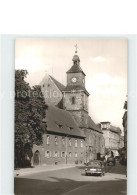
pixel 76 48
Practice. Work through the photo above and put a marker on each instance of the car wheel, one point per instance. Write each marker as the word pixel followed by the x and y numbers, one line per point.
pixel 101 174
pixel 86 174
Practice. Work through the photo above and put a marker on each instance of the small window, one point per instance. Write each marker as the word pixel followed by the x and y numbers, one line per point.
pixel 56 154
pixel 63 154
pixel 59 125
pixel 47 154
pixel 63 141
pixel 69 141
pixel 105 126
pixel 73 100
pixel 76 154
pixel 47 139
pixel 56 140
pixel 70 128
pixel 81 144
pixel 76 143
pixel 70 154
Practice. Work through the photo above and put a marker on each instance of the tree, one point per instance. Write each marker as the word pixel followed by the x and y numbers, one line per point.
pixel 30 111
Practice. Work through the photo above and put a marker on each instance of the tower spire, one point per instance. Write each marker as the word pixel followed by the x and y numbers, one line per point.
pixel 76 48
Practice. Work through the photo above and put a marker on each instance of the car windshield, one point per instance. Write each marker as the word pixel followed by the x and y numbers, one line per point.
pixel 96 164
pixel 111 158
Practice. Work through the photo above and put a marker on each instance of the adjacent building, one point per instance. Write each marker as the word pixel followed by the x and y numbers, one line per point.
pixel 121 142
pixel 125 125
pixel 71 135
pixel 63 141
pixel 124 149
pixel 112 136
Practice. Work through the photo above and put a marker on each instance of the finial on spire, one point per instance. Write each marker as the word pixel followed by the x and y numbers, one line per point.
pixel 76 48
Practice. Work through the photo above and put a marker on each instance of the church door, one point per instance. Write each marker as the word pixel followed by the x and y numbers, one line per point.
pixel 98 156
pixel 36 158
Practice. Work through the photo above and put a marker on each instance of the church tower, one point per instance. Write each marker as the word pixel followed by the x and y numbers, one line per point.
pixel 75 95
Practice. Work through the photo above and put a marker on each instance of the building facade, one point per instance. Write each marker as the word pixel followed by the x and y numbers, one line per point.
pixel 71 135
pixel 124 149
pixel 121 141
pixel 125 125
pixel 63 141
pixel 112 136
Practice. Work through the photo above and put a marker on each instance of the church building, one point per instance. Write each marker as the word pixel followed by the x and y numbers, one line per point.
pixel 71 135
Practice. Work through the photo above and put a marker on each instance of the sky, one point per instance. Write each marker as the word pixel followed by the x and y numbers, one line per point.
pixel 104 61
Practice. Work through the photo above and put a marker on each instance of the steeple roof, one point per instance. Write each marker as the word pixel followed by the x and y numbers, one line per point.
pixel 76 67
pixel 76 58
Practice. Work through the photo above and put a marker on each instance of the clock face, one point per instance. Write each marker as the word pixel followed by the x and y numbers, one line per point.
pixel 74 80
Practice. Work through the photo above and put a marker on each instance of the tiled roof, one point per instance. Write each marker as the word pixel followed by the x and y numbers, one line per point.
pixel 105 122
pixel 98 125
pixel 92 125
pixel 75 87
pixel 75 69
pixel 60 104
pixel 58 84
pixel 61 122
pixel 115 129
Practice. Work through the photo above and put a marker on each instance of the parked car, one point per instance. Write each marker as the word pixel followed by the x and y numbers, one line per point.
pixel 95 167
pixel 111 161
pixel 117 158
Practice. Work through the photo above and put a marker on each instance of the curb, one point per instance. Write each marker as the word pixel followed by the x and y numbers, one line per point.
pixel 18 174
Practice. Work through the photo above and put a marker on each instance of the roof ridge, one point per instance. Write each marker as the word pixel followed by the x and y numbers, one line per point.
pixel 94 125
pixel 57 83
pixel 62 117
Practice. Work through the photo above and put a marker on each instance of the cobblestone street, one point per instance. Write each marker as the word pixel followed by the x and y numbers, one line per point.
pixel 73 181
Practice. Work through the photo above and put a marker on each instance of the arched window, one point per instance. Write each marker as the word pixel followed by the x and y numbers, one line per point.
pixel 76 154
pixel 36 158
pixel 70 154
pixel 56 140
pixel 73 100
pixel 47 154
pixel 81 144
pixel 63 141
pixel 76 143
pixel 47 139
pixel 69 141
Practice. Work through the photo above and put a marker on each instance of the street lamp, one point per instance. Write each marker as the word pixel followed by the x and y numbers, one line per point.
pixel 86 154
pixel 66 148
